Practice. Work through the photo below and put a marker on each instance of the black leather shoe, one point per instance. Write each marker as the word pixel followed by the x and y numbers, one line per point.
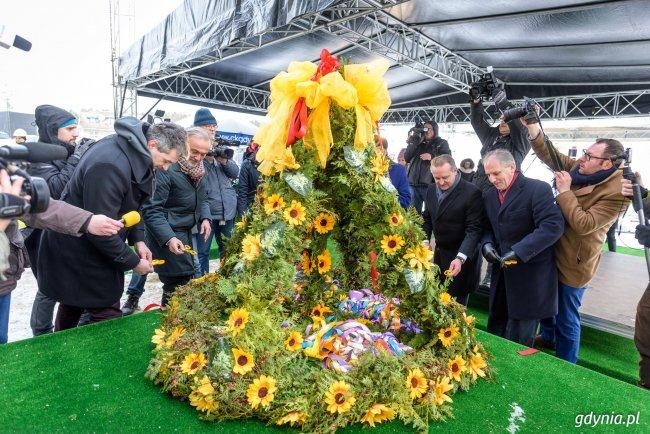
pixel 130 305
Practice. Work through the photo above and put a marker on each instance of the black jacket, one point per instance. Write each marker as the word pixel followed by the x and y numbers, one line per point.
pixel 176 206
pixel 249 179
pixel 419 171
pixel 529 223
pixel 114 177
pixel 516 142
pixel 457 226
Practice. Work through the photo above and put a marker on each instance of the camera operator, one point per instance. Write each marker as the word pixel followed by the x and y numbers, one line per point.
pixel 589 196
pixel 60 217
pixel 249 178
pixel 642 322
pixel 220 172
pixel 423 146
pixel 510 136
pixel 116 176
pixel 57 127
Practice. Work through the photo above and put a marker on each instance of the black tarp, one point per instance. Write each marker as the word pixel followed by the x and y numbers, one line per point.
pixel 550 48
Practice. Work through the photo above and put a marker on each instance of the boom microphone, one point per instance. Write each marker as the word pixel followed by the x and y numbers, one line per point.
pixel 34 152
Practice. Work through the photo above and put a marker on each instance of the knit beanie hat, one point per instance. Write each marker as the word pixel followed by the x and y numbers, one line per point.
pixel 204 117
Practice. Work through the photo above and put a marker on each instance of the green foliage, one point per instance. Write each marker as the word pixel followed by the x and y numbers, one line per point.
pixel 286 275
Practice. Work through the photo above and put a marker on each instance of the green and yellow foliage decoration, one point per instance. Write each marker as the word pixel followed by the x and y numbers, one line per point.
pixel 327 310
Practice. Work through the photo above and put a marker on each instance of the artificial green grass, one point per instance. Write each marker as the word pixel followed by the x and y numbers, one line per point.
pixel 609 354
pixel 625 250
pixel 92 380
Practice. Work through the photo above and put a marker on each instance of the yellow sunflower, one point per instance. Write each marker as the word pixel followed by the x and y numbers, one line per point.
pixel 251 247
pixel 477 364
pixel 273 203
pixel 324 262
pixel 244 362
pixel 237 320
pixel 193 363
pixel 203 403
pixel 416 383
pixel 323 223
pixel 339 398
pixel 456 367
pixel 447 335
pixel 293 418
pixel 379 165
pixel 261 391
pixel 440 389
pixel 395 219
pixel 241 224
pixel 307 263
pixel 295 214
pixel 320 310
pixel 204 387
pixel 445 298
pixel 378 413
pixel 174 335
pixel 469 319
pixel 391 243
pixel 293 342
pixel 158 338
pixel 419 257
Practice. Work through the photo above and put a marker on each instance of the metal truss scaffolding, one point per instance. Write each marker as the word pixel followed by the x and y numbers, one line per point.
pixel 592 106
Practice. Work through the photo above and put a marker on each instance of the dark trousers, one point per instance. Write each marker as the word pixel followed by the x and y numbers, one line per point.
pixel 611 237
pixel 170 283
pixel 203 246
pixel 522 331
pixel 67 317
pixel 419 193
pixel 642 337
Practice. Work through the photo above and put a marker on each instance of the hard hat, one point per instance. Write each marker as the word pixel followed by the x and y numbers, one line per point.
pixel 20 133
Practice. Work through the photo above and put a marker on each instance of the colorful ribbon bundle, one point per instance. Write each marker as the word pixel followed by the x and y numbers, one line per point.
pixel 340 344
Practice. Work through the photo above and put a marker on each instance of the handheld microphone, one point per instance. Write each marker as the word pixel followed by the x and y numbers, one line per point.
pixel 34 152
pixel 131 218
pixel 8 40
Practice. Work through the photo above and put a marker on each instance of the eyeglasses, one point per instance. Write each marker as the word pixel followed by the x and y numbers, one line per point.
pixel 589 156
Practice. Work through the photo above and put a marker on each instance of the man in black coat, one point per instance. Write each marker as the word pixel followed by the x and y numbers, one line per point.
pixel 418 155
pixel 453 212
pixel 249 179
pixel 523 223
pixel 114 177
pixel 179 203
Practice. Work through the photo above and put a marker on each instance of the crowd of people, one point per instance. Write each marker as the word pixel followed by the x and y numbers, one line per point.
pixel 542 244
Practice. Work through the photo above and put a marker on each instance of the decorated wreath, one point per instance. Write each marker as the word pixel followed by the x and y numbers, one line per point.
pixel 327 310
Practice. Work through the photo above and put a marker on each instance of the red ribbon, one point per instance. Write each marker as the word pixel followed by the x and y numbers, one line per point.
pixel 373 268
pixel 298 121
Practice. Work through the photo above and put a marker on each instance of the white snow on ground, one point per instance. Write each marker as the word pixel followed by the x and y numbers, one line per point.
pixel 23 296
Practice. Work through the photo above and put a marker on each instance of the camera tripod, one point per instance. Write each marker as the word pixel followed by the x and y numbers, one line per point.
pixel 637 204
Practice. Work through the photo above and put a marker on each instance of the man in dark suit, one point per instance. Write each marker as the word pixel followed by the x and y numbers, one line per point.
pixel 453 212
pixel 522 225
pixel 114 177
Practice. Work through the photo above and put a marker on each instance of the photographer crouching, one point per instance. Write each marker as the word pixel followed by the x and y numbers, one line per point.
pixel 424 144
pixel 220 172
pixel 642 322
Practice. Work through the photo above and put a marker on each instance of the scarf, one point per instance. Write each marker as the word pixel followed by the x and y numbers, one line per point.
pixel 443 194
pixel 194 171
pixel 580 180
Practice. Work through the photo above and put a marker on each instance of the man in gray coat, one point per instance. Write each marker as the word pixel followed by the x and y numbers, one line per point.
pixel 178 204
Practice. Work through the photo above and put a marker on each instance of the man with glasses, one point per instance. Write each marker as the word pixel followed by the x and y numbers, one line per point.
pixel 589 196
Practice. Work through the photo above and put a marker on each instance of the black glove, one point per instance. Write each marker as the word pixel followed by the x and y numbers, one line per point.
pixel 490 253
pixel 509 259
pixel 643 235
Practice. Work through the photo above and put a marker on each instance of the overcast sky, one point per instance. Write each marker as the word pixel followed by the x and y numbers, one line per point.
pixel 69 63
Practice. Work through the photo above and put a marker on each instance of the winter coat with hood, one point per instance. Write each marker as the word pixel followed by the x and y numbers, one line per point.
pixel 249 179
pixel 221 194
pixel 419 171
pixel 114 177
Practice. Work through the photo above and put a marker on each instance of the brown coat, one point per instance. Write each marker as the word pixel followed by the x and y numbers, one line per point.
pixel 59 217
pixel 589 212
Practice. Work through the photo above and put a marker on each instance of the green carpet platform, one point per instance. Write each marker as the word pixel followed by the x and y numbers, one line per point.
pixel 92 380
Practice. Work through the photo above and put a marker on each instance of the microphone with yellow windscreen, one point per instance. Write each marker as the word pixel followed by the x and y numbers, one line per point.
pixel 131 218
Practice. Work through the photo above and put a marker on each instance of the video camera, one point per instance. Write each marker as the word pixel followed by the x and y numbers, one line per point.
pixel 484 87
pixel 13 159
pixel 416 134
pixel 221 149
